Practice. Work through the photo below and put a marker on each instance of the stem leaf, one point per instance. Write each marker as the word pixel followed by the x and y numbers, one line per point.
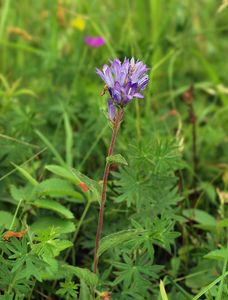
pixel 116 159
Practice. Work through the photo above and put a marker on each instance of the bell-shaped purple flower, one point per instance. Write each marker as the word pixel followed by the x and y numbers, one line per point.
pixel 124 82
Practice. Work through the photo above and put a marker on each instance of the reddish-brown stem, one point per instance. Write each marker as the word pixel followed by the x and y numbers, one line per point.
pixel 104 187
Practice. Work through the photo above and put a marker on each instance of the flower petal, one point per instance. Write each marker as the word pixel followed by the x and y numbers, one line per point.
pixel 138 95
pixel 99 72
pixel 116 67
pixel 125 81
pixel 111 109
pixel 108 76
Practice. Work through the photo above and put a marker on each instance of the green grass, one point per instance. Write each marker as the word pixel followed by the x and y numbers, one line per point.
pixel 51 113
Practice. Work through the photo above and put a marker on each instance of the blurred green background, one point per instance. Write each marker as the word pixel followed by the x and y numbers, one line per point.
pixel 47 69
pixel 48 78
pixel 51 111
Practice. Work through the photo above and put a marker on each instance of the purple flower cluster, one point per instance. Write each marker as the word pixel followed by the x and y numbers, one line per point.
pixel 124 82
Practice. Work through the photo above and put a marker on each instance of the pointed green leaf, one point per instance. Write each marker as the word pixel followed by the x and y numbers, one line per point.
pixel 56 187
pixel 209 286
pixel 61 225
pixel 84 291
pixel 51 147
pixel 54 206
pixel 63 172
pixel 223 223
pixel 61 245
pixel 26 175
pixel 116 159
pixel 115 239
pixel 6 219
pixel 69 139
pixel 83 274
pixel 199 216
pixel 93 186
pixel 162 291
pixel 219 254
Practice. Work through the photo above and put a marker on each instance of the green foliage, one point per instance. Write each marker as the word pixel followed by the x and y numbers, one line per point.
pixel 49 245
pixel 68 290
pixel 60 225
pixel 62 172
pixel 55 206
pixel 27 176
pixel 22 264
pixel 220 254
pixel 59 188
pixel 83 274
pixel 117 159
pixel 165 222
pixel 118 238
pixel 163 291
pixel 6 219
pixel 26 260
pixel 94 187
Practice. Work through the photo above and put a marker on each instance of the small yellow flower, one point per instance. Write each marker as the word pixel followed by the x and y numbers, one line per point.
pixel 78 23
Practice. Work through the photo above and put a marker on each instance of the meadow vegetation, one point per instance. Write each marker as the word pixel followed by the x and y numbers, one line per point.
pixel 165 229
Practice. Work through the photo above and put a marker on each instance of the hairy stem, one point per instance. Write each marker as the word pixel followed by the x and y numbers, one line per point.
pixel 104 187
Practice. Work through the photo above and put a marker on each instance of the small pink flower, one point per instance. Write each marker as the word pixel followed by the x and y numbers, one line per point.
pixel 94 42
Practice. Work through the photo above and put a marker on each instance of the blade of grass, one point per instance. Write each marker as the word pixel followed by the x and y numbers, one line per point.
pixel 101 33
pixel 26 175
pixel 51 148
pixel 9 138
pixel 163 291
pixel 210 72
pixel 219 296
pixel 24 163
pixel 161 61
pixel 4 14
pixel 207 288
pixel 69 139
pixel 92 147
pixel 182 291
pixel 24 47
